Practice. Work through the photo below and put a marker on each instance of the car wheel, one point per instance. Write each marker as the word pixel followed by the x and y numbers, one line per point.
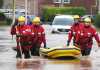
pixel 53 32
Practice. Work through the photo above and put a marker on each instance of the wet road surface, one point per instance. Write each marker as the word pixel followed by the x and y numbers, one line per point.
pixel 9 62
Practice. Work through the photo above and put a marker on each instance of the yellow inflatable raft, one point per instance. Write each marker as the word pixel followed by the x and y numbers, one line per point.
pixel 58 52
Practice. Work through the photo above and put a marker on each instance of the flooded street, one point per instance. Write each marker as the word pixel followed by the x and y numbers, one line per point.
pixel 8 59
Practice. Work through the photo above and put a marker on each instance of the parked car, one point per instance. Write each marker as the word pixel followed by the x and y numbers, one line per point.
pixel 62 23
pixel 90 16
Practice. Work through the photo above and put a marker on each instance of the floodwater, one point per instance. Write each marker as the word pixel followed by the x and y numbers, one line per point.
pixel 9 62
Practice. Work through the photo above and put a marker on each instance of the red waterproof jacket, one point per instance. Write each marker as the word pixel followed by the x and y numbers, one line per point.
pixel 23 36
pixel 86 36
pixel 74 31
pixel 38 34
pixel 23 31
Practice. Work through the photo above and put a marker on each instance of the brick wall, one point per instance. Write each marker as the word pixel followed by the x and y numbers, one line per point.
pixel 88 4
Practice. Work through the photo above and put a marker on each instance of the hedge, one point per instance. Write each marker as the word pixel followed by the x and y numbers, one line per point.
pixel 97 20
pixel 2 16
pixel 1 3
pixel 8 21
pixel 4 20
pixel 50 12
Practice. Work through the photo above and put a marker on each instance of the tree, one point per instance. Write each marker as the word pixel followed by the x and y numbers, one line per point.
pixel 1 3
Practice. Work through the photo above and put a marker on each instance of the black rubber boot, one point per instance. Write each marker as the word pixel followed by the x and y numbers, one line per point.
pixel 27 55
pixel 32 51
pixel 36 53
pixel 18 55
pixel 35 49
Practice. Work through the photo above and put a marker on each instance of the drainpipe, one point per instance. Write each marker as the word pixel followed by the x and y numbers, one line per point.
pixel 14 5
pixel 98 2
pixel 35 7
pixel 62 3
pixel 26 11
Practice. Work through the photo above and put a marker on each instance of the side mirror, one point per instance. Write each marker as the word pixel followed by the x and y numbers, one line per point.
pixel 50 23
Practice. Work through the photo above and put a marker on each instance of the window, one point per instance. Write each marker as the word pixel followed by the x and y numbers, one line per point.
pixel 66 1
pixel 56 1
pixel 60 1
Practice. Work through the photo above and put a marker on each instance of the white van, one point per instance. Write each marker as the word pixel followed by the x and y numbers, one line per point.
pixel 62 23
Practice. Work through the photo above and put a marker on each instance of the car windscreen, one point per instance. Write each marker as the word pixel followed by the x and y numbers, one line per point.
pixel 63 21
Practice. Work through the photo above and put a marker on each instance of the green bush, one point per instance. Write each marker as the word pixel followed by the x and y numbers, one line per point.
pixel 8 21
pixel 4 20
pixel 97 20
pixel 50 12
pixel 2 16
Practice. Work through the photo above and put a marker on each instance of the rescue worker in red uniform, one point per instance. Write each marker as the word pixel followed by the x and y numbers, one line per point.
pixel 38 36
pixel 85 39
pixel 75 29
pixel 13 32
pixel 22 37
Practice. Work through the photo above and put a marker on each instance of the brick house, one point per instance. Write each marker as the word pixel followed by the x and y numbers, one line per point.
pixel 35 6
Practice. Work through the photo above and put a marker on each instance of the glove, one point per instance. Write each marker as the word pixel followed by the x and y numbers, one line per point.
pixel 68 43
pixel 98 44
pixel 14 48
pixel 45 45
pixel 76 45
